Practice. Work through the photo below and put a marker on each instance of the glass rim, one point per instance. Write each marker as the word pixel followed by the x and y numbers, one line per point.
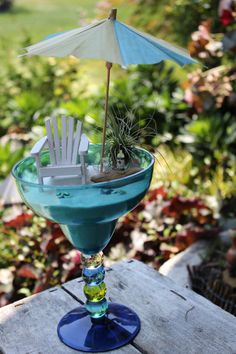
pixel 82 186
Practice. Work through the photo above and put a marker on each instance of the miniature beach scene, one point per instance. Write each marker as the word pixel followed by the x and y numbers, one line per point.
pixel 117 148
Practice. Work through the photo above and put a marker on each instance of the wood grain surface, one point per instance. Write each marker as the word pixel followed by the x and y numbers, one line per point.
pixel 174 320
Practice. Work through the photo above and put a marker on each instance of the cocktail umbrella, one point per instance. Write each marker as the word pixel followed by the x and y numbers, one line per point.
pixel 114 42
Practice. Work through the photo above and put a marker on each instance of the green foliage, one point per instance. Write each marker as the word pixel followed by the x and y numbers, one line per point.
pixel 31 89
pixel 187 175
pixel 186 16
pixel 8 157
pixel 174 19
pixel 213 135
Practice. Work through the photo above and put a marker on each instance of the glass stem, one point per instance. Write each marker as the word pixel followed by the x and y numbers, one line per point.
pixel 95 289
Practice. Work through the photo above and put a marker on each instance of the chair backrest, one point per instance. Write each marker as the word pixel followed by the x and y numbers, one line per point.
pixel 63 150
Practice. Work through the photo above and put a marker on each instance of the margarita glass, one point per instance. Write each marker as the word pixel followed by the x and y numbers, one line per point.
pixel 87 214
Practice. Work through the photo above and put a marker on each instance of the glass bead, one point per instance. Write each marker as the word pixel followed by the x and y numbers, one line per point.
pixel 97 309
pixel 93 276
pixel 93 261
pixel 95 293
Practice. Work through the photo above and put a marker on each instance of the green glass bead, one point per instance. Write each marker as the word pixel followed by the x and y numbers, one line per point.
pixel 95 293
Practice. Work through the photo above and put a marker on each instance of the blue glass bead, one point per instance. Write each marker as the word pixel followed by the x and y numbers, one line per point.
pixel 93 276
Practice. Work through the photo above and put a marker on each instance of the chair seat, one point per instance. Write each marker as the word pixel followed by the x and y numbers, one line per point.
pixel 65 170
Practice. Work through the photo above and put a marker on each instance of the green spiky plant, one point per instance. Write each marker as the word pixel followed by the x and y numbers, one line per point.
pixel 126 132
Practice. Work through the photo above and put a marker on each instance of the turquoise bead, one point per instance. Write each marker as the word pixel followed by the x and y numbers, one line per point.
pixel 97 309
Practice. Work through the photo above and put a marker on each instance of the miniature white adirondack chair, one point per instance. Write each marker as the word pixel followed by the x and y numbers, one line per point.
pixel 63 152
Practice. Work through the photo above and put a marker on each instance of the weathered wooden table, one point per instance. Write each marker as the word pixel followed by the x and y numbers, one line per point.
pixel 174 320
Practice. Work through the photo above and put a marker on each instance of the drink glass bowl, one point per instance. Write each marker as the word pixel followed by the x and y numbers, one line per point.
pixel 87 214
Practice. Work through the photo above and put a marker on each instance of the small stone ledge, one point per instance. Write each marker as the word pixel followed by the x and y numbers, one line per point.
pixel 176 267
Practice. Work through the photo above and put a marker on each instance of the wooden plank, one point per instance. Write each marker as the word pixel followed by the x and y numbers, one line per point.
pixel 70 140
pixel 29 326
pixel 50 140
pixel 174 319
pixel 63 140
pixel 76 142
pixel 56 140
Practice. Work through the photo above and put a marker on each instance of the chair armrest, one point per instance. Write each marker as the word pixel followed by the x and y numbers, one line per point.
pixel 84 144
pixel 39 145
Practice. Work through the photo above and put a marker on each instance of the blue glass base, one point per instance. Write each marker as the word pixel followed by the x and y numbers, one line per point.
pixel 118 327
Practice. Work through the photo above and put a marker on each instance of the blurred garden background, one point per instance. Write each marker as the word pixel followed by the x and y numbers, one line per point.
pixel 193 194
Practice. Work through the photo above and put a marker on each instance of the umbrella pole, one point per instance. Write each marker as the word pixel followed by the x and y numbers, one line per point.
pixel 112 16
pixel 108 66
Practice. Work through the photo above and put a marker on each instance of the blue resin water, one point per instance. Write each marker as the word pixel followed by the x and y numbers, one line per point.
pixel 87 213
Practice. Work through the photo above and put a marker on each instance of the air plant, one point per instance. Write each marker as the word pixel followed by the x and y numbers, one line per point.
pixel 125 132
